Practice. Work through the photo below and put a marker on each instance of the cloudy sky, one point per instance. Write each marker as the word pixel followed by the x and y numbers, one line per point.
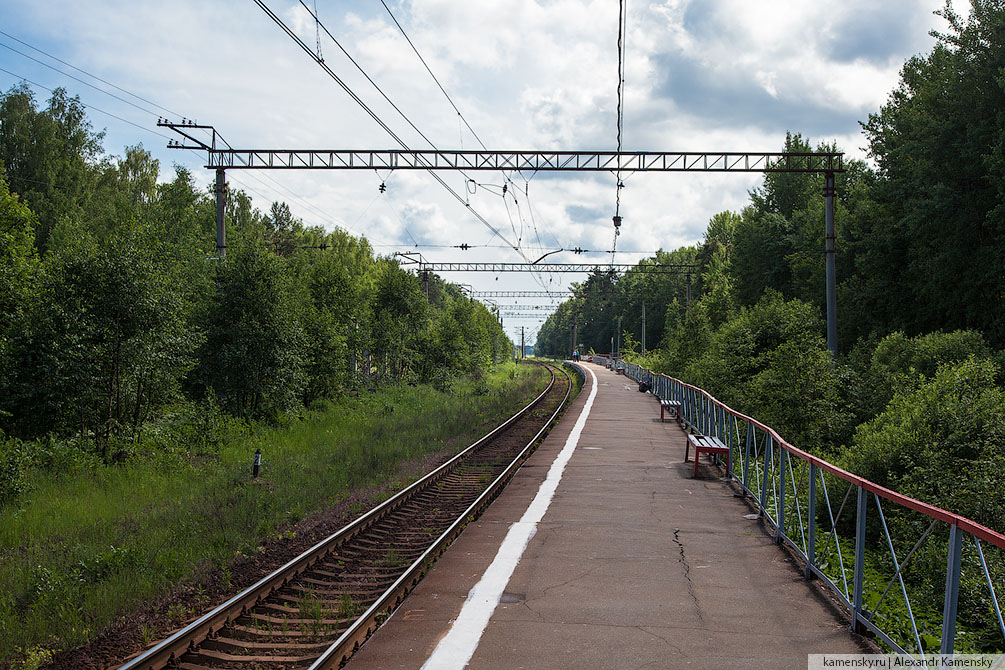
pixel 701 75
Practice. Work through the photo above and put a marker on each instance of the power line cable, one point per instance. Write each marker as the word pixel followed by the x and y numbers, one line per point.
pixel 622 45
pixel 518 246
pixel 78 79
pixel 278 21
pixel 426 65
pixel 158 134
pixel 82 104
pixel 93 76
pixel 462 118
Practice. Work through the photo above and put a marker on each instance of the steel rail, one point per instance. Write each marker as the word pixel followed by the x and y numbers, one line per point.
pixel 169 650
pixel 342 649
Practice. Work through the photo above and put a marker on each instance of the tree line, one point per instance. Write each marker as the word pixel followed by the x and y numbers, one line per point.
pixel 115 317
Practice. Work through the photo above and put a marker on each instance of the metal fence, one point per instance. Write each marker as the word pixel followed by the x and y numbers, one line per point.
pixel 860 539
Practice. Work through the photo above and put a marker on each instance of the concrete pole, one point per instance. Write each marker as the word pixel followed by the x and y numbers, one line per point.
pixel 221 208
pixel 575 332
pixel 829 248
pixel 643 327
pixel 619 337
pixel 523 347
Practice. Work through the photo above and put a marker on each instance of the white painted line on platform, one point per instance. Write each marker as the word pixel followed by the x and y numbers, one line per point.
pixel 459 644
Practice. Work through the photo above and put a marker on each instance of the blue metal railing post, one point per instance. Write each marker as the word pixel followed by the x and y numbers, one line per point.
pixel 857 614
pixel 703 425
pixel 686 397
pixel 699 410
pixel 732 456
pixel 953 564
pixel 811 523
pixel 780 528
pixel 768 448
pixel 746 456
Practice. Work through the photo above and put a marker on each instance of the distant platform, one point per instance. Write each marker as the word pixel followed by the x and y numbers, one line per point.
pixel 634 564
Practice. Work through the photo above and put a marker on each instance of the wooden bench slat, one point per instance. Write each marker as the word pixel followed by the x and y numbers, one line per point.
pixel 673 405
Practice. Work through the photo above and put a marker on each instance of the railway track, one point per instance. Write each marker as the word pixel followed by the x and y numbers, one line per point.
pixel 315 611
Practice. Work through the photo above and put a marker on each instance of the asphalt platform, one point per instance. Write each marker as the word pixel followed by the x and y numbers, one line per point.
pixel 635 564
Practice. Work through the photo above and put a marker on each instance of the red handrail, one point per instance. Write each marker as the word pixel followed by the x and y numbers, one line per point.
pixel 961 522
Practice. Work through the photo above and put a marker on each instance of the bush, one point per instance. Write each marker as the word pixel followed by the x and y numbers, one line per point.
pixel 13 469
pixel 943 442
pixel 901 362
pixel 929 435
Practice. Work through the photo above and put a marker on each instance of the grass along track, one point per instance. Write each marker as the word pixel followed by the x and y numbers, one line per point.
pixel 318 608
pixel 97 561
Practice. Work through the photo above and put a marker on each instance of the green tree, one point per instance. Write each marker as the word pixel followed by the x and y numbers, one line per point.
pixel 399 313
pixel 49 156
pixel 253 356
pixel 104 341
pixel 938 144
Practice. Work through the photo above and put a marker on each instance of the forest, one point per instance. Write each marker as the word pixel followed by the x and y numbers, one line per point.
pixel 116 319
pixel 139 373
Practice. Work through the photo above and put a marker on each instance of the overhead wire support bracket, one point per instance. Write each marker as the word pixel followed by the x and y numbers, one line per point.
pixel 184 127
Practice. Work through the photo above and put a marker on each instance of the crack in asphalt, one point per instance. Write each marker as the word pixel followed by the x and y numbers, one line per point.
pixel 687 574
pixel 547 589
pixel 670 644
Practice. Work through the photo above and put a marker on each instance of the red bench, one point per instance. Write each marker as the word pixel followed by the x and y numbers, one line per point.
pixel 708 445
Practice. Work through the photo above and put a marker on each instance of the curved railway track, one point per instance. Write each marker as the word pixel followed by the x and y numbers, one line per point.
pixel 315 611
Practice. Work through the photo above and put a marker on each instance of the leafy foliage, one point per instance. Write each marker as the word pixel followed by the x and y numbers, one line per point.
pixel 113 313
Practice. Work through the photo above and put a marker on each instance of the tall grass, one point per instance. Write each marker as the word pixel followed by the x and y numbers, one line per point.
pixel 80 548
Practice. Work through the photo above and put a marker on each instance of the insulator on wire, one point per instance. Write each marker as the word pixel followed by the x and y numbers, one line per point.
pixel 382 187
pixel 617 221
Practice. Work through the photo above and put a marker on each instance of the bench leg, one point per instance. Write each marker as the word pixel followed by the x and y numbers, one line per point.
pixel 696 455
pixel 662 412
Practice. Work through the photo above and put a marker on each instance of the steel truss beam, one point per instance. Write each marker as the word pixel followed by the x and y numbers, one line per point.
pixel 521 294
pixel 555 267
pixel 533 161
pixel 826 163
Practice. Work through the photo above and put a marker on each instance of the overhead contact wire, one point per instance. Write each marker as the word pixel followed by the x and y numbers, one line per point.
pixel 331 73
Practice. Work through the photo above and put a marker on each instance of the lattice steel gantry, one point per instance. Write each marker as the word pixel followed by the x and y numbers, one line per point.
pixel 220 159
